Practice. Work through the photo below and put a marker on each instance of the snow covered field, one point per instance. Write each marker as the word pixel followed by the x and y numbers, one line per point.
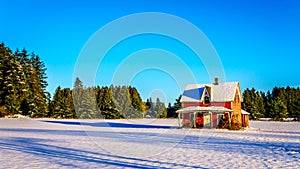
pixel 48 143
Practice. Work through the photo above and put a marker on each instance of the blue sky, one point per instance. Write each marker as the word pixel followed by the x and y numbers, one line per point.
pixel 257 41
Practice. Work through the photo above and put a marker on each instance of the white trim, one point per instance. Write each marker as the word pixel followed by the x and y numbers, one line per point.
pixel 201 108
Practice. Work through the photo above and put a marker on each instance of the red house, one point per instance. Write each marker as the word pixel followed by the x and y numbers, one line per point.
pixel 209 105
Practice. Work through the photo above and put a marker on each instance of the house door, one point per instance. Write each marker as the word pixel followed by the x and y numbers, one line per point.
pixel 192 119
pixel 207 120
pixel 219 118
pixel 199 119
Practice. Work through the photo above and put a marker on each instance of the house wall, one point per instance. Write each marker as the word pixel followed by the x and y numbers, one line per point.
pixel 189 104
pixel 223 104
pixel 214 120
pixel 236 106
pixel 245 120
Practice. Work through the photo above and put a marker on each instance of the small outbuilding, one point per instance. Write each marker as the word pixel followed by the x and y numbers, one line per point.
pixel 245 118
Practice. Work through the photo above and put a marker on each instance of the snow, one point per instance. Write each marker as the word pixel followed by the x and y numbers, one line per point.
pixel 145 143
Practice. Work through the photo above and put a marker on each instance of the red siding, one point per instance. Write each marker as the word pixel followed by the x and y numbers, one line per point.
pixel 214 120
pixel 189 104
pixel 224 104
pixel 184 105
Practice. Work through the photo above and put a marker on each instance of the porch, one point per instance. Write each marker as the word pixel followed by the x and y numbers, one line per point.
pixel 202 117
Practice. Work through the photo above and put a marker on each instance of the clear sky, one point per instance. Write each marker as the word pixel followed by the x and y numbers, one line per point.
pixel 258 41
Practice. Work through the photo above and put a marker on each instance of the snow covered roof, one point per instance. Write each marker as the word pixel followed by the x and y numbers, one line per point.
pixel 244 112
pixel 222 92
pixel 201 108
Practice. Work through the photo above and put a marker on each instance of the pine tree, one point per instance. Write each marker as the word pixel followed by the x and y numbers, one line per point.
pixel 278 110
pixel 37 86
pixel 88 108
pixel 177 104
pixel 23 87
pixel 267 104
pixel 12 102
pixel 170 111
pixel 254 102
pixel 261 103
pixel 122 100
pixel 77 95
pixel 106 103
pixel 294 108
pixel 160 109
pixel 85 102
pixel 78 83
pixel 136 100
pixel 55 104
pixel 68 105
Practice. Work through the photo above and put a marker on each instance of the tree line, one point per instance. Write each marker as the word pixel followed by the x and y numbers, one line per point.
pixel 280 103
pixel 23 83
pixel 113 102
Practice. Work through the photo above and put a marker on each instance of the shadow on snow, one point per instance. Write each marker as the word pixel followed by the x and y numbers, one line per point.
pixel 72 157
pixel 75 157
pixel 110 124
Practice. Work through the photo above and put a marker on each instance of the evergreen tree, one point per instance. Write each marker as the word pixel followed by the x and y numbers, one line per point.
pixel 295 109
pixel 254 102
pixel 268 104
pixel 177 104
pixel 136 100
pixel 55 104
pixel 68 104
pixel 23 86
pixel 288 98
pixel 12 102
pixel 88 108
pixel 122 100
pixel 150 106
pixel 106 103
pixel 62 104
pixel 78 83
pixel 77 95
pixel 170 111
pixel 23 83
pixel 160 110
pixel 261 103
pixel 37 85
pixel 278 110
pixel 85 101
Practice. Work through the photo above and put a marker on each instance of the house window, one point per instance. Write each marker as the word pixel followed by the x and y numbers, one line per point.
pixel 219 118
pixel 206 98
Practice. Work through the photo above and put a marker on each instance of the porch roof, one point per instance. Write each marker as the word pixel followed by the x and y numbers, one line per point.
pixel 244 112
pixel 201 108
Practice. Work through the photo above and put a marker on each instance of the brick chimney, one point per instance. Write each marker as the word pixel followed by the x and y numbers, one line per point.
pixel 216 81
